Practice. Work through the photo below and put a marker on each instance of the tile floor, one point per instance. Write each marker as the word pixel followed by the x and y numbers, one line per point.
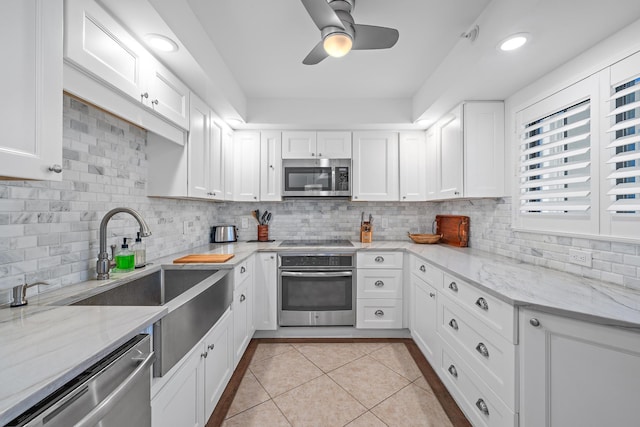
pixel 334 384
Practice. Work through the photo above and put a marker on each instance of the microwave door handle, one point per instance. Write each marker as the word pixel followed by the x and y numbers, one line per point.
pixel 333 180
pixel 316 274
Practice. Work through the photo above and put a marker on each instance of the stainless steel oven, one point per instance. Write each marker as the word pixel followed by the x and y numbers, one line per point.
pixel 316 178
pixel 316 289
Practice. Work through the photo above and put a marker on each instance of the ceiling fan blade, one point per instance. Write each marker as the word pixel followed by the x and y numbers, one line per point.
pixel 373 37
pixel 322 14
pixel 316 55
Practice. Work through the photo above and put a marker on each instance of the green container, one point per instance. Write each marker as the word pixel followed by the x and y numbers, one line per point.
pixel 125 262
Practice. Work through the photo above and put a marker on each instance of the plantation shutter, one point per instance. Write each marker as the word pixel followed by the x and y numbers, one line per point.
pixel 624 149
pixel 555 162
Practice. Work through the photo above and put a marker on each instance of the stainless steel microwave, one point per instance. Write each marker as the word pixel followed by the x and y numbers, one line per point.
pixel 316 178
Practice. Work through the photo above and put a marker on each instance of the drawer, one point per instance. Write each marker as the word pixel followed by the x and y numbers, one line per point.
pixel 426 271
pixel 379 283
pixel 480 405
pixel 243 271
pixel 489 354
pixel 371 259
pixel 496 313
pixel 373 313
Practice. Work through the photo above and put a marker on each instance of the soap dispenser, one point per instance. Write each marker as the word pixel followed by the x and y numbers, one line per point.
pixel 125 259
pixel 140 252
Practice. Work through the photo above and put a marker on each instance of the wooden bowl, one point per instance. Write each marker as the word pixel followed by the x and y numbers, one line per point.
pixel 425 238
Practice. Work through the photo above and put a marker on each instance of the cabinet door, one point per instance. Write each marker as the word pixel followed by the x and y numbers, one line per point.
pixel 31 107
pixel 165 93
pixel 431 165
pixel 180 401
pixel 413 171
pixel 270 166
pixel 334 145
pixel 95 41
pixel 450 167
pixel 265 308
pixel 216 162
pixel 246 153
pixel 227 154
pixel 375 166
pixel 424 318
pixel 484 149
pixel 575 373
pixel 242 318
pixel 298 145
pixel 199 149
pixel 218 363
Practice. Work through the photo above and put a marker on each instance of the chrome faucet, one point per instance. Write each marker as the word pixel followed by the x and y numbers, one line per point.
pixel 103 263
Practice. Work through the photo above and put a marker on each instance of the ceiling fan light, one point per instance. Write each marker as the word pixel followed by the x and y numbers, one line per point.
pixel 337 44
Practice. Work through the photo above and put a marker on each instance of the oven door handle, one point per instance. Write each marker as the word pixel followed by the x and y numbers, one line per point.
pixel 316 274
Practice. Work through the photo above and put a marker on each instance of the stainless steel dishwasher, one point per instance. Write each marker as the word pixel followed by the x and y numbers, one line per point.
pixel 114 392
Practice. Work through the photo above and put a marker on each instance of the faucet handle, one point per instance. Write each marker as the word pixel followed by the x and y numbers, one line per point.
pixel 20 294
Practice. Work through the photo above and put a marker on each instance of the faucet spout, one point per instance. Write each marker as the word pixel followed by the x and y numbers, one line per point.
pixel 102 265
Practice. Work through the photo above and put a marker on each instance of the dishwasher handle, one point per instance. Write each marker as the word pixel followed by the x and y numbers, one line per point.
pixel 99 412
pixel 316 273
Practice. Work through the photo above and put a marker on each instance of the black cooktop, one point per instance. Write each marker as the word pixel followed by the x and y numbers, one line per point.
pixel 318 243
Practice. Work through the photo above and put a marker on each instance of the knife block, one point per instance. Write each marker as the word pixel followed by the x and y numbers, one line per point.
pixel 366 232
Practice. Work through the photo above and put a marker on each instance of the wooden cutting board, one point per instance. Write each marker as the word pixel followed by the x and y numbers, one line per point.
pixel 203 258
pixel 454 229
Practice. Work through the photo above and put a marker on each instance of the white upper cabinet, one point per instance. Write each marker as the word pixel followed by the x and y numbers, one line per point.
pixel 316 145
pixel 465 151
pixel 413 170
pixel 216 161
pixel 31 108
pixel 246 159
pixel 375 166
pixel 270 166
pixel 199 149
pixel 227 156
pixel 165 93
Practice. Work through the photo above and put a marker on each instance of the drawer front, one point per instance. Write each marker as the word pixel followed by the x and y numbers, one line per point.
pixel 475 399
pixel 426 271
pixel 379 283
pixel 489 354
pixel 380 259
pixel 243 271
pixel 378 313
pixel 496 313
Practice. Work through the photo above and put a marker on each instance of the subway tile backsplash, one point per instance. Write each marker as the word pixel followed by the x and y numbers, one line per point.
pixel 49 230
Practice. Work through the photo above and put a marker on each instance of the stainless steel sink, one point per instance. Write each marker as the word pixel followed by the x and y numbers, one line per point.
pixel 189 318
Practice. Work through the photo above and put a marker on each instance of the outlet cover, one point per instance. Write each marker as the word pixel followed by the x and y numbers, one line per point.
pixel 245 222
pixel 580 257
pixel 385 222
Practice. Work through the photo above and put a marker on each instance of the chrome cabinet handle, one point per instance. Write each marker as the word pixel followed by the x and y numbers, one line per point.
pixel 55 168
pixel 453 286
pixel 144 95
pixel 379 313
pixel 313 154
pixel 453 324
pixel 379 283
pixel 453 371
pixel 431 294
pixel 211 346
pixel 482 349
pixel 204 355
pixel 423 268
pixel 534 322
pixel 242 298
pixel 482 406
pixel 319 154
pixel 379 259
pixel 482 303
pixel 242 270
pixel 271 167
pixel 154 102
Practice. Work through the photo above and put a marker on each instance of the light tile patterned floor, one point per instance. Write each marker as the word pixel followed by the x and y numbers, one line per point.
pixel 334 384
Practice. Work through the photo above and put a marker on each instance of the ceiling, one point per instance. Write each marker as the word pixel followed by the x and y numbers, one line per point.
pixel 244 57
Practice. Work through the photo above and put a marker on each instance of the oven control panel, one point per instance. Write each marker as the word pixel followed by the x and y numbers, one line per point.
pixel 342 260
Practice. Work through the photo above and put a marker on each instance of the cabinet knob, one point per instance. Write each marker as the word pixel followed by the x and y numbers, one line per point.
pixel 55 168
pixel 271 167
pixel 210 194
pixel 482 303
pixel 355 197
pixel 242 298
pixel 204 355
pixel 534 322
pixel 319 154
pixel 242 270
pixel 431 294
pixel 404 197
pixel 453 286
pixel 453 371
pixel 154 102
pixel 379 313
pixel 272 257
pixel 453 324
pixel 313 154
pixel 379 283
pixel 255 197
pixel 482 349
pixel 423 268
pixel 144 95
pixel 211 346
pixel 379 259
pixel 482 406
pixel 457 193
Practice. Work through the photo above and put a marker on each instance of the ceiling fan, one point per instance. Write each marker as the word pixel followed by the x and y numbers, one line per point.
pixel 339 32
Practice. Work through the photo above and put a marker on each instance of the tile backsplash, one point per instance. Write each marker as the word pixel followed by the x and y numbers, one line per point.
pixel 49 230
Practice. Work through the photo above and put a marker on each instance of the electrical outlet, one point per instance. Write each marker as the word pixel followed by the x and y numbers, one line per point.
pixel 245 222
pixel 385 222
pixel 580 257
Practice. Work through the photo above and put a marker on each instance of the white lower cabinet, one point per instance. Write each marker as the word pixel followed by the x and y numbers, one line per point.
pixel 576 373
pixel 265 291
pixel 242 308
pixel 423 308
pixel 188 396
pixel 379 290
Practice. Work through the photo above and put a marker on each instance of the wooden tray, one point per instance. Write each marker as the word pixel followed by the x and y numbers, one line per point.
pixel 203 258
pixel 454 229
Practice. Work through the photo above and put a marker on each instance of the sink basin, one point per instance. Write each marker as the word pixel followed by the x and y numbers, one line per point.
pixel 189 317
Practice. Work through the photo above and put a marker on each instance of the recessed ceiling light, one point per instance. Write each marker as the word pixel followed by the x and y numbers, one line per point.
pixel 513 42
pixel 161 43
